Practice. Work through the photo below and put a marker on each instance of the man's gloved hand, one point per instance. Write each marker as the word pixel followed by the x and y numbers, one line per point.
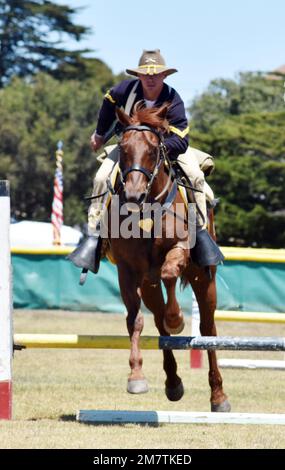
pixel 96 141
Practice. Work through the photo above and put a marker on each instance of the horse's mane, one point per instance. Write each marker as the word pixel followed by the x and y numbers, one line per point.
pixel 149 117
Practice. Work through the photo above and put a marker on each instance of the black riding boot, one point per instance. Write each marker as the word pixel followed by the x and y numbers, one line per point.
pixel 206 252
pixel 87 255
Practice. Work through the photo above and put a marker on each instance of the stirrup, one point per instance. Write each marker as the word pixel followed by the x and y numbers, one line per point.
pixel 87 256
pixel 206 252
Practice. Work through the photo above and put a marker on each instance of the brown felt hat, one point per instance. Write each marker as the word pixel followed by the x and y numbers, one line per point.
pixel 151 63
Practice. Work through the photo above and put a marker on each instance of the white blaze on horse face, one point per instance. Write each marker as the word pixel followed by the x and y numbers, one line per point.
pixel 135 187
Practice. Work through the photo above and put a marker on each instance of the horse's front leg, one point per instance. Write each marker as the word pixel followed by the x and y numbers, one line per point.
pixel 153 299
pixel 205 291
pixel 131 295
pixel 174 263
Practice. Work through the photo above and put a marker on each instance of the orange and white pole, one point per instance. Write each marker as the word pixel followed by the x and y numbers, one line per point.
pixel 196 355
pixel 6 331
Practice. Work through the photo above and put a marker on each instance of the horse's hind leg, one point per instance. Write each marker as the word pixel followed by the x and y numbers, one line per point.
pixel 153 299
pixel 205 291
pixel 131 297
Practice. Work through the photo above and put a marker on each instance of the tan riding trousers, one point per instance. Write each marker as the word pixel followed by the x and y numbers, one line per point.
pixel 190 161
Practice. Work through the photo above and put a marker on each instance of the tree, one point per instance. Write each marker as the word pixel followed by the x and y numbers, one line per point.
pixel 34 117
pixel 241 123
pixel 31 37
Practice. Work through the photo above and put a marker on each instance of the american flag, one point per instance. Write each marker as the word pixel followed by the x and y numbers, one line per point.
pixel 57 203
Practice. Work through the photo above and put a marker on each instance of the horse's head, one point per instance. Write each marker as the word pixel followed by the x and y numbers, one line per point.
pixel 141 150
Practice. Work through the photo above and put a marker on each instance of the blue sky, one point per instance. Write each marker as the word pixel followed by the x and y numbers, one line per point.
pixel 203 39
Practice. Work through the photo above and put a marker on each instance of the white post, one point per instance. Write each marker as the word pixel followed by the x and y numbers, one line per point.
pixel 6 333
pixel 196 355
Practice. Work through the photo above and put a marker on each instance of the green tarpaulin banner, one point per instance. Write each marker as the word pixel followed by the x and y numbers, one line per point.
pixel 50 281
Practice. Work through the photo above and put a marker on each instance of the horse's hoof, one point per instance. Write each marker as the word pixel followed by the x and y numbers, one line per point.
pixel 137 386
pixel 174 331
pixel 224 407
pixel 176 393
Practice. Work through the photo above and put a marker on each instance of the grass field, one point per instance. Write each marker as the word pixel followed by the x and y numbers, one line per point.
pixel 51 385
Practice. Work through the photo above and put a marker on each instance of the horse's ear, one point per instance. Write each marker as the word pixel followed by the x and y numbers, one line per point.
pixel 162 112
pixel 123 117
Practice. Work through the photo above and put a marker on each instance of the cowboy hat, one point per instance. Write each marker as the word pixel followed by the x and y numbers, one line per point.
pixel 151 63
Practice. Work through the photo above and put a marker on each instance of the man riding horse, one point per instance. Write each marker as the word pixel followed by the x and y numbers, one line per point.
pixel 150 89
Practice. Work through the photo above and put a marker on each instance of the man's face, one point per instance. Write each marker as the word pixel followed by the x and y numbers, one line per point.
pixel 152 83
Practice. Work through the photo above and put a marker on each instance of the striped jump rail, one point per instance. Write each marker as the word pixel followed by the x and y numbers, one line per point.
pixel 73 341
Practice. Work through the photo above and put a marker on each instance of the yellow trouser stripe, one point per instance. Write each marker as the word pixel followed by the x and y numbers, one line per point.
pixel 181 134
pixel 109 97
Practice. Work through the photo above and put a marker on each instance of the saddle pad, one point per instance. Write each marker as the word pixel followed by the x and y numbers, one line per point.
pixel 113 178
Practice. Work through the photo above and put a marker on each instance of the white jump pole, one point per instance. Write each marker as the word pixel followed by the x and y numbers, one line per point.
pixel 196 355
pixel 251 364
pixel 6 333
pixel 176 417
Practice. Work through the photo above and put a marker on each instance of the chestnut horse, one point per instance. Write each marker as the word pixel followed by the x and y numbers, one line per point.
pixel 143 263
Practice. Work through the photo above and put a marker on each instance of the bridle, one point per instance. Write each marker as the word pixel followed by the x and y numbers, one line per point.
pixel 150 175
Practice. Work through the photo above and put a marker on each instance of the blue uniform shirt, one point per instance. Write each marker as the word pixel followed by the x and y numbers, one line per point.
pixel 176 141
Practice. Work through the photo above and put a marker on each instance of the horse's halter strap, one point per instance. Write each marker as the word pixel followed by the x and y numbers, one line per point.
pixel 150 175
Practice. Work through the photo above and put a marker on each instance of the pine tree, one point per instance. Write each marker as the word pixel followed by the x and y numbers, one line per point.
pixel 32 35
